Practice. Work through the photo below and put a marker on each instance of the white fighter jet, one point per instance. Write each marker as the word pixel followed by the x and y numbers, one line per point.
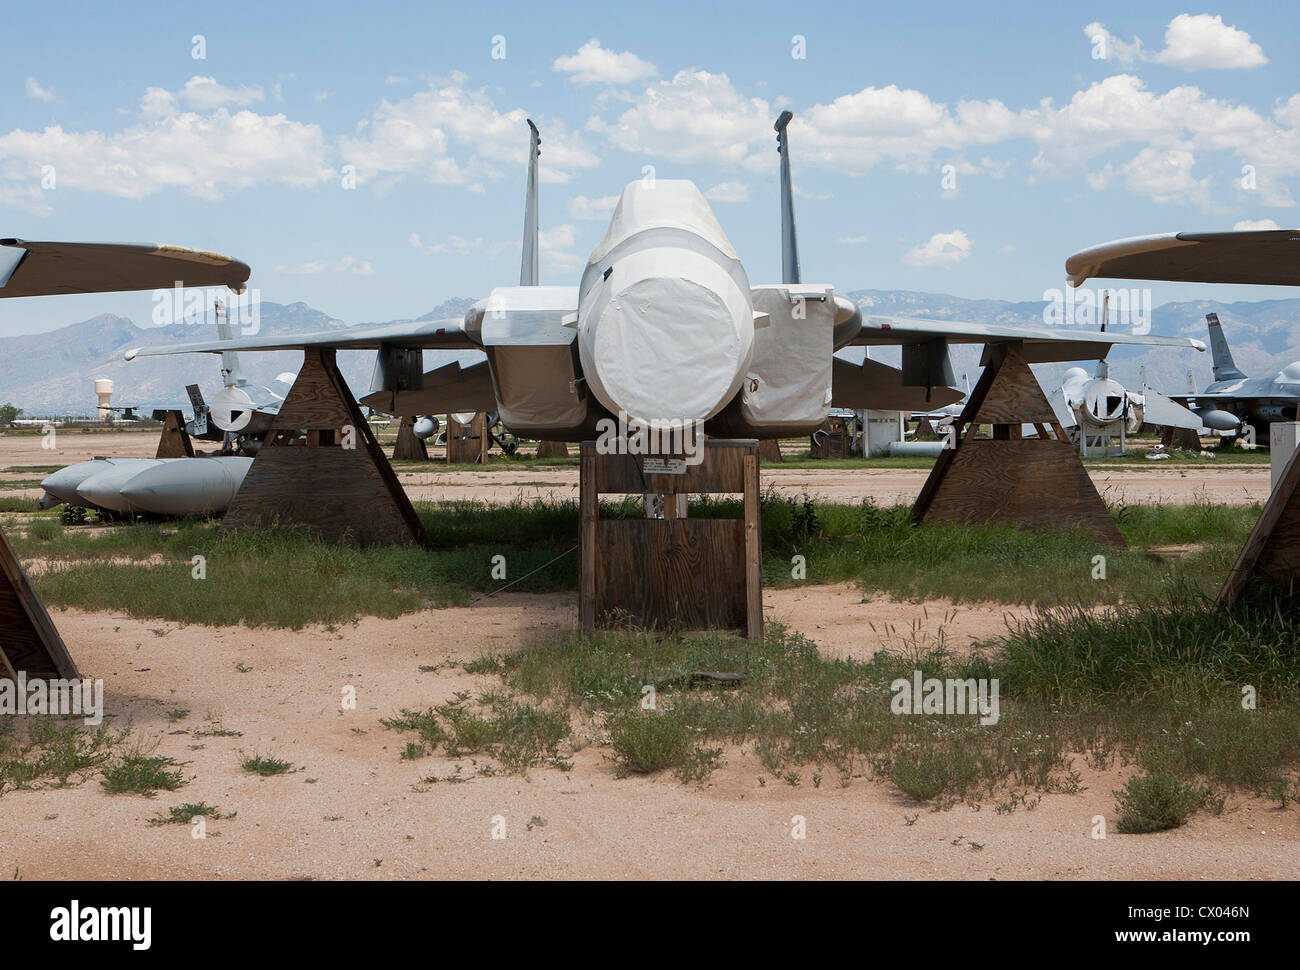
pixel 664 328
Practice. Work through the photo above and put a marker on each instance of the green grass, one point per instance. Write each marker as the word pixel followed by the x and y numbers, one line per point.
pixel 1154 803
pixel 99 568
pixel 135 772
pixel 265 765
pixel 518 735
pixel 187 813
pixel 55 753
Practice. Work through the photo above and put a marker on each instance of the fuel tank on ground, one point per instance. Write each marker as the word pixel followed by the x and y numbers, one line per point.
pixel 187 486
pixel 62 485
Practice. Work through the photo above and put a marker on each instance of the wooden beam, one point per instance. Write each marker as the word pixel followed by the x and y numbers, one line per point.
pixel 1031 483
pixel 29 641
pixel 174 442
pixel 335 481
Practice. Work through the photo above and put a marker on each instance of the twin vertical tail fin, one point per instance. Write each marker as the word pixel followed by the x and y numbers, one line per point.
pixel 1224 367
pixel 789 243
pixel 528 275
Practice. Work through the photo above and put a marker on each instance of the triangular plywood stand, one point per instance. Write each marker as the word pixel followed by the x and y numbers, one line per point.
pixel 1031 483
pixel 29 643
pixel 335 480
pixel 409 447
pixel 1273 547
pixel 175 440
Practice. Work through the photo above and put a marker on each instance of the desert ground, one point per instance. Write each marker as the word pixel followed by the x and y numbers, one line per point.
pixel 355 810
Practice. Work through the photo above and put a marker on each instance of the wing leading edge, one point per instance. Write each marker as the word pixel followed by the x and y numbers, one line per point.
pixel 448 334
pixel 1269 257
pixel 61 268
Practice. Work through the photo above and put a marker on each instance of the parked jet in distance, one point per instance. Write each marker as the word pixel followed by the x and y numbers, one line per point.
pixel 1233 400
pixel 1269 257
pixel 1097 410
pixel 664 329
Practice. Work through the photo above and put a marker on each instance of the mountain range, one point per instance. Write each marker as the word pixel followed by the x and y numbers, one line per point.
pixel 52 374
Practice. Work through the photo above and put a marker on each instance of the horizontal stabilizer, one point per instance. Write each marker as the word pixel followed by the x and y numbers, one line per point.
pixel 1064 413
pixel 878 387
pixel 58 268
pixel 1160 410
pixel 447 389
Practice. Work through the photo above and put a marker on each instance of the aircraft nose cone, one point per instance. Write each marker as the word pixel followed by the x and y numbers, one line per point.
pixel 666 349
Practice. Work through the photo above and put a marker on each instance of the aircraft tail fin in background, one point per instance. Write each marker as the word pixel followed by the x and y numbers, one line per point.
pixel 789 243
pixel 1224 367
pixel 231 375
pixel 528 275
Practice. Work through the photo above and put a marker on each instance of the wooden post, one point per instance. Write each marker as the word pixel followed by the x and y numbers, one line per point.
pixel 467 444
pixel 552 449
pixel 1272 549
pixel 1031 483
pixel 336 481
pixel 672 571
pixel 175 440
pixel 408 446
pixel 29 643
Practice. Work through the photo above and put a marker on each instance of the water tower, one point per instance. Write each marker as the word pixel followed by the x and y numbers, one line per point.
pixel 104 391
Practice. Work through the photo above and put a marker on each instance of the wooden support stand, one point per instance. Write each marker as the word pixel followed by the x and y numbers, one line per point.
pixel 336 481
pixel 1031 483
pixel 831 440
pixel 467 444
pixel 1272 550
pixel 408 446
pixel 552 449
pixel 1184 438
pixel 29 643
pixel 175 440
pixel 769 450
pixel 671 572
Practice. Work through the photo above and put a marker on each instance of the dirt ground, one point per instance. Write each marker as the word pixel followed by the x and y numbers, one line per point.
pixel 1231 483
pixel 356 810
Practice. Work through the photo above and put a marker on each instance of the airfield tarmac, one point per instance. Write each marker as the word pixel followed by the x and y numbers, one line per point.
pixel 355 810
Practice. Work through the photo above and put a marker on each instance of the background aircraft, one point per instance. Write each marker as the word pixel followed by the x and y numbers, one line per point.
pixel 1268 257
pixel 664 328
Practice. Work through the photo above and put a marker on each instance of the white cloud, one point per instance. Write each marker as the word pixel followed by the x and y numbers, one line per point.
pixel 728 192
pixel 200 94
pixel 345 264
pixel 1108 47
pixel 556 248
pixel 452 244
pixel 1162 175
pixel 1196 41
pixel 592 210
pixel 1006 250
pixel 853 240
pixel 452 135
pixel 942 249
pixel 24 198
pixel 204 155
pixel 1254 225
pixel 593 64
pixel 696 117
pixel 38 93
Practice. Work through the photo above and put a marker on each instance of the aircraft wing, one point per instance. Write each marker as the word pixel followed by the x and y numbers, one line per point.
pixel 1041 344
pixel 1269 257
pixel 58 268
pixel 449 389
pixel 1064 413
pixel 446 334
pixel 874 386
pixel 1161 410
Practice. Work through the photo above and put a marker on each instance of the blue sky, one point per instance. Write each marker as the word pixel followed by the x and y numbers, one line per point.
pixel 244 151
